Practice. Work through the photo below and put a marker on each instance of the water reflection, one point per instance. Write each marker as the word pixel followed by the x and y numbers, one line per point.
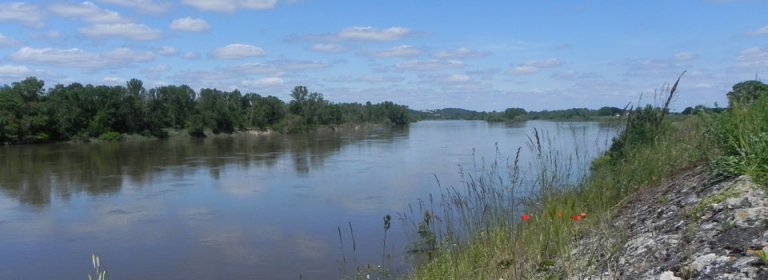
pixel 33 174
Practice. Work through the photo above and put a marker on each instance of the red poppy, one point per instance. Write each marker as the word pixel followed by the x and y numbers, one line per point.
pixel 524 217
pixel 576 217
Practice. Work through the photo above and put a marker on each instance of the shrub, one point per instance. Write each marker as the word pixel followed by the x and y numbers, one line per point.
pixel 742 136
pixel 110 136
pixel 746 92
pixel 644 125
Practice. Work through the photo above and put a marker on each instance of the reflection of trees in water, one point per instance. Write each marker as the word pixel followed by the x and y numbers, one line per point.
pixel 309 151
pixel 33 174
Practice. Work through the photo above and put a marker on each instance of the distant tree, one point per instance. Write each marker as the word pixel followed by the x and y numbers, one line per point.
pixel 746 92
pixel 687 111
pixel 396 114
pixel 299 96
pixel 30 88
pixel 609 111
pixel 29 114
pixel 512 113
pixel 221 111
pixel 135 87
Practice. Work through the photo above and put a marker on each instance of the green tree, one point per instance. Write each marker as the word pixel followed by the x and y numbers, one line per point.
pixel 299 96
pixel 221 111
pixel 747 91
pixel 512 113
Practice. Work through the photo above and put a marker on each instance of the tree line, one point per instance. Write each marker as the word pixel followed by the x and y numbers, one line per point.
pixel 31 114
pixel 520 114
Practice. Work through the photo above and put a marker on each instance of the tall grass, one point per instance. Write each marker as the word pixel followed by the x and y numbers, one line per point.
pixel 480 233
pixel 742 136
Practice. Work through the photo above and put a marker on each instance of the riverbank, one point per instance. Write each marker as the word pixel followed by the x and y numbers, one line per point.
pixel 691 227
pixel 659 178
pixel 184 133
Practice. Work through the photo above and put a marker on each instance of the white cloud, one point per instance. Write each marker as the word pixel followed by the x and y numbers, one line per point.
pixel 133 31
pixel 87 11
pixel 552 62
pixel 535 66
pixel 112 81
pixel 457 78
pixel 167 51
pixel 263 83
pixel 190 24
pixel 298 65
pixel 656 67
pixel 24 13
pixel 760 31
pixel 190 55
pixel 458 53
pixel 429 65
pixel 14 71
pixel 160 68
pixel 229 77
pixel 327 48
pixel 141 5
pixel 235 51
pixel 453 79
pixel 399 51
pixel 230 5
pixel 573 75
pixel 525 69
pixel 755 57
pixel 368 79
pixel 684 56
pixel 77 58
pixel 278 67
pixel 368 33
pixel 6 41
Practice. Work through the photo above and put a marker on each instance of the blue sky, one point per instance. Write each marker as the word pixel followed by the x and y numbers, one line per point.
pixel 480 55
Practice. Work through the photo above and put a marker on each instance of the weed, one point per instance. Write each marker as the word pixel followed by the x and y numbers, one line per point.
pixel 699 208
pixel 100 272
pixel 742 133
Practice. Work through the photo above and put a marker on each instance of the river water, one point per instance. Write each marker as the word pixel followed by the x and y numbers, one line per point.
pixel 244 206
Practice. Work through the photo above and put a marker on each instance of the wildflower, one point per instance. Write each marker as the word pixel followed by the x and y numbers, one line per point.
pixel 559 214
pixel 525 217
pixel 576 217
pixel 583 215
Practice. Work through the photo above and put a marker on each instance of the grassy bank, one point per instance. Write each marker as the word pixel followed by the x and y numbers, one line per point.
pixel 483 231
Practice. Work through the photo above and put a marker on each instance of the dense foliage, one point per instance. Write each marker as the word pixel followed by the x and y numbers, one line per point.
pixel 741 132
pixel 31 114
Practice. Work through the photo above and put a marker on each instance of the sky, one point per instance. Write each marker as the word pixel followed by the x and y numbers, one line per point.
pixel 478 55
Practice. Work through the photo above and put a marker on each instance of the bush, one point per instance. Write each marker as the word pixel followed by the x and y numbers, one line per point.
pixel 294 124
pixel 197 132
pixel 110 136
pixel 644 125
pixel 742 135
pixel 746 92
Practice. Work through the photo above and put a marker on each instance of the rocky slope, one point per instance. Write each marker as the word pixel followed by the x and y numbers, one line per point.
pixel 686 228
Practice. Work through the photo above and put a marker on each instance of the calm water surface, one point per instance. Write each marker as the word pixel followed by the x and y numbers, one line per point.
pixel 240 207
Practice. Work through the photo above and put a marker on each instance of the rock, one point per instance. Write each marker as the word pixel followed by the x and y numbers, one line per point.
pixel 665 241
pixel 705 263
pixel 669 275
pixel 750 217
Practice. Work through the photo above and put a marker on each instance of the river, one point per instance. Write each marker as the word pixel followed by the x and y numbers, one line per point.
pixel 243 206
